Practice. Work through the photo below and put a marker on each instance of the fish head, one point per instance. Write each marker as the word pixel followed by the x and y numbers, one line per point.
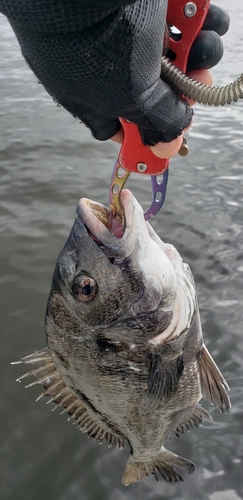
pixel 117 278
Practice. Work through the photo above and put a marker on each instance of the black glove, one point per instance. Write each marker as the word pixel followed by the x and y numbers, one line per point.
pixel 101 60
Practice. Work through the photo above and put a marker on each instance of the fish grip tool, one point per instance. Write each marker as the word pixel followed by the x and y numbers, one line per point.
pixel 184 20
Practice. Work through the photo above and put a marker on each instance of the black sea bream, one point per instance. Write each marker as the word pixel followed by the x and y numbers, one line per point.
pixel 125 354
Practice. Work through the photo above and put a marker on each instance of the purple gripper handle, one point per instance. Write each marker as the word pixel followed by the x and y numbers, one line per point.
pixel 158 192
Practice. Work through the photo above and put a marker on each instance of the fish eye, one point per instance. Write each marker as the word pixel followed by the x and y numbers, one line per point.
pixel 84 288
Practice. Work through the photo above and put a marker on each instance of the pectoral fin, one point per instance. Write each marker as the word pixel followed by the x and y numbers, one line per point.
pixel 164 464
pixel 163 382
pixel 213 384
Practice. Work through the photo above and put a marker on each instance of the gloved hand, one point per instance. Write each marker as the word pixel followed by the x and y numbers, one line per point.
pixel 101 60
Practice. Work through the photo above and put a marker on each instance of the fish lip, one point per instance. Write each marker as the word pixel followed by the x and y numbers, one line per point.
pixel 119 247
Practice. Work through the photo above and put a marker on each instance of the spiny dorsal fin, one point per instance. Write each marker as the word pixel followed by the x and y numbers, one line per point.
pixel 213 384
pixel 46 373
pixel 163 382
pixel 195 418
pixel 164 463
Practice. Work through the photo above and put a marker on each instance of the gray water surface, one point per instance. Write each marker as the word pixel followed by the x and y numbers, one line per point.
pixel 47 162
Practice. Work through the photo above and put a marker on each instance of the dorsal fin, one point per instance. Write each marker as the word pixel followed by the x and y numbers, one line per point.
pixel 46 373
pixel 163 381
pixel 213 384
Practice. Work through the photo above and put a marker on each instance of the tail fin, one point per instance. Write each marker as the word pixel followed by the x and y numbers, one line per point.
pixel 213 384
pixel 164 463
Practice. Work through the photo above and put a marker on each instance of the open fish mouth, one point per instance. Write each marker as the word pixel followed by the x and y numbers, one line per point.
pixel 112 233
pixel 111 221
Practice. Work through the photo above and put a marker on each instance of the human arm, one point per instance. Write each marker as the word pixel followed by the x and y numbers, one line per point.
pixel 104 62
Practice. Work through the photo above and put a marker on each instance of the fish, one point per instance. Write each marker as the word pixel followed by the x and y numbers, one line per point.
pixel 125 355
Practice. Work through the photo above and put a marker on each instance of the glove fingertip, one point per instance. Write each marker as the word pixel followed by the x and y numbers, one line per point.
pixel 217 20
pixel 206 51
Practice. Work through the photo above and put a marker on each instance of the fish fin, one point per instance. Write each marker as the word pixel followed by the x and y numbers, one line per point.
pixel 60 393
pixel 213 384
pixel 163 382
pixel 164 463
pixel 195 418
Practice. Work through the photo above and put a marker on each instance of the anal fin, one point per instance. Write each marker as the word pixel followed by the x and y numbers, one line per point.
pixel 164 463
pixel 213 384
pixel 195 419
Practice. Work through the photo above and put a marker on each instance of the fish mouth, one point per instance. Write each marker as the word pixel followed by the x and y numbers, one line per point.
pixel 108 217
pixel 109 231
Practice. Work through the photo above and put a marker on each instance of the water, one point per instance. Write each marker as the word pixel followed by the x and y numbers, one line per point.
pixel 48 161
